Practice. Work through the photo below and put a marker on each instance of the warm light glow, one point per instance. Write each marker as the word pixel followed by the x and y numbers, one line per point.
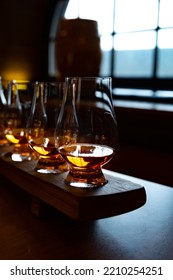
pixel 41 150
pixel 18 76
pixel 21 84
pixel 77 161
pixel 20 81
pixel 12 139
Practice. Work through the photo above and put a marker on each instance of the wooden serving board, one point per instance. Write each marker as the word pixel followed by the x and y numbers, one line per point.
pixel 118 196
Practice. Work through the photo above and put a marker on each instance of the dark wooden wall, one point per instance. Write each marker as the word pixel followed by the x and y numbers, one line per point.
pixel 24 29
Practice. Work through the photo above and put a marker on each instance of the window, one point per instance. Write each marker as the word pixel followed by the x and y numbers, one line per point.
pixel 136 41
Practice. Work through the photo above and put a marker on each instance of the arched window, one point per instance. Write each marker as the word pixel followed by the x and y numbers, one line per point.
pixel 136 42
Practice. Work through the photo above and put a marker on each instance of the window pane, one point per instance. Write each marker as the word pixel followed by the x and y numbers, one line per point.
pixel 105 67
pixel 164 93
pixel 51 59
pixel 132 91
pixel 135 41
pixel 101 11
pixel 165 53
pixel 165 38
pixel 165 65
pixel 106 49
pixel 135 15
pixel 137 63
pixel 165 16
pixel 72 10
pixel 106 43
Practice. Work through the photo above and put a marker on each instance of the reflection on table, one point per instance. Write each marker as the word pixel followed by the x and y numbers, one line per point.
pixel 145 233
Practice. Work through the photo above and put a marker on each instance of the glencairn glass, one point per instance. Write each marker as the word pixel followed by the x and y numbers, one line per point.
pixel 86 133
pixel 16 114
pixel 46 104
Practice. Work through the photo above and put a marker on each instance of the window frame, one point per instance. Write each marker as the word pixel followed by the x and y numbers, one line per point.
pixel 154 83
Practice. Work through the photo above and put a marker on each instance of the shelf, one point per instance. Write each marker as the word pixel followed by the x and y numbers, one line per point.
pixel 118 196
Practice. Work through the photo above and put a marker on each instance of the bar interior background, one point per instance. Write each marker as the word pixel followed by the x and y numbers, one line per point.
pixel 146 133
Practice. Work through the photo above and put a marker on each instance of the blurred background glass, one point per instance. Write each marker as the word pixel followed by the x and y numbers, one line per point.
pixel 17 110
pixel 46 104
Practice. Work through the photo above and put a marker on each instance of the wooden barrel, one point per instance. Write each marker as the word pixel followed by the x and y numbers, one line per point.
pixel 78 50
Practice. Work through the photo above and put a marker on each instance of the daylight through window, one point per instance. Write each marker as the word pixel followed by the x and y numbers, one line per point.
pixel 135 39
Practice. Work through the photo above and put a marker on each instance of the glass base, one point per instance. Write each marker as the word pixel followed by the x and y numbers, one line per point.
pixel 47 166
pixel 22 153
pixel 21 157
pixel 4 142
pixel 86 179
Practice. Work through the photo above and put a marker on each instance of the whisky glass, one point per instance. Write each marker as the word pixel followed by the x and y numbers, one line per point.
pixel 86 132
pixel 16 113
pixel 46 104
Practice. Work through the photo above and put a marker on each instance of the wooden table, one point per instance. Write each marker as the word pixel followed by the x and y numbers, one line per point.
pixel 145 233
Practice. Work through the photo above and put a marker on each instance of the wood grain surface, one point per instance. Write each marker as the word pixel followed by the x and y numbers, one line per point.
pixel 118 196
